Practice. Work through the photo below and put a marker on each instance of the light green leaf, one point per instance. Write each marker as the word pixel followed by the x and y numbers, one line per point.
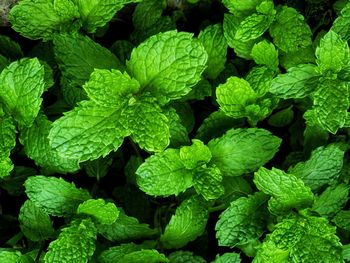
pixel 287 190
pixel 6 166
pixel 110 87
pixel 164 174
pixel 7 136
pixel 214 42
pixel 289 31
pixel 148 125
pixel 298 82
pixel 178 132
pixel 331 103
pixel 311 235
pixel 265 53
pixel 341 25
pixel 322 168
pixel 168 64
pixel 208 183
pixel 14 257
pixel 332 53
pixel 88 132
pixel 234 95
pixel 195 155
pixel 242 151
pixel 55 196
pixel 243 221
pixel 21 86
pixel 241 7
pixel 37 147
pixel 35 223
pixel 126 228
pixel 145 255
pixel 185 257
pixel 42 19
pixel 301 56
pixel 76 243
pixel 187 224
pixel 332 200
pixel 103 212
pixel 228 257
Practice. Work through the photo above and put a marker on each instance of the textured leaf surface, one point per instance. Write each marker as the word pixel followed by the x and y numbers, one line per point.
pixel 243 221
pixel 287 190
pixel 164 174
pixel 88 132
pixel 208 183
pixel 298 82
pixel 35 223
pixel 75 244
pixel 187 224
pixel 195 155
pixel 265 53
pixel 55 196
pixel 228 257
pixel 103 212
pixel 21 86
pixel 184 257
pixel 241 151
pixel 341 25
pixel 168 64
pixel 37 147
pixel 7 136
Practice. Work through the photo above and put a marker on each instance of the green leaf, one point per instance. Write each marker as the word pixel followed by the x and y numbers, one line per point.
pixel 265 53
pixel 331 103
pixel 195 155
pixel 234 96
pixel 178 132
pixel 322 168
pixel 287 191
pixel 35 223
pixel 37 147
pixel 164 174
pixel 88 132
pixel 162 74
pixel 301 56
pixel 77 57
pixel 76 243
pixel 201 90
pixel 214 42
pixel 110 87
pixel 146 255
pixel 97 13
pixel 187 224
pixel 243 221
pixel 341 25
pixel 147 13
pixel 14 257
pixel 332 53
pixel 228 257
pixel 7 136
pixel 185 257
pixel 148 125
pixel 332 200
pixel 289 31
pixel 126 228
pixel 298 82
pixel 312 236
pixel 342 220
pixel 241 7
pixel 28 18
pixel 21 86
pixel 55 196
pixel 6 166
pixel 9 48
pixel 282 118
pixel 207 182
pixel 99 209
pixel 260 78
pixel 242 151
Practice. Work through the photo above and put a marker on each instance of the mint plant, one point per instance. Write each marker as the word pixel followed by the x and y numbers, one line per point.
pixel 174 131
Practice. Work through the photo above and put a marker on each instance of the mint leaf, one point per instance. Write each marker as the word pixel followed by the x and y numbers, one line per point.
pixel 290 31
pixel 126 228
pixel 37 147
pixel 265 53
pixel 177 130
pixel 312 235
pixel 298 82
pixel 28 18
pixel 164 174
pixel 243 221
pixel 55 196
pixel 287 190
pixel 99 209
pixel 187 224
pixel 342 23
pixel 208 183
pixel 7 136
pixel 342 219
pixel 322 168
pixel 214 42
pixel 195 155
pixel 242 151
pixel 76 243
pixel 167 76
pixel 88 132
pixel 228 257
pixel 260 79
pixel 21 86
pixel 184 257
